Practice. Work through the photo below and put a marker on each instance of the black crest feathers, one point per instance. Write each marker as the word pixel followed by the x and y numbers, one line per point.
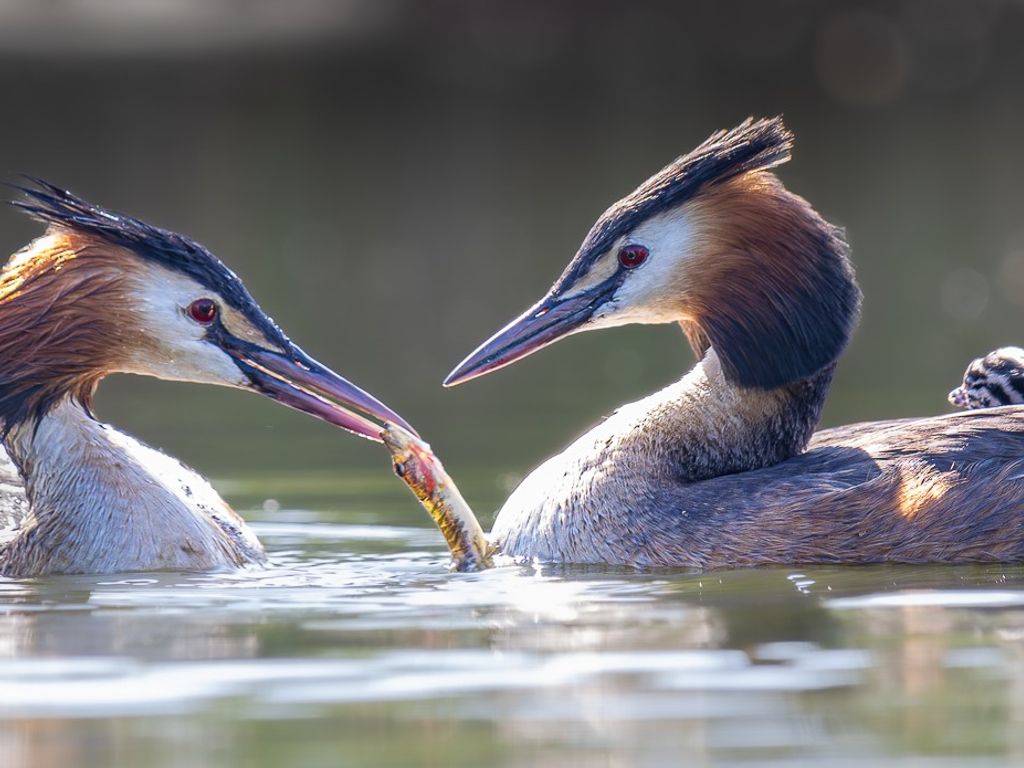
pixel 52 205
pixel 750 146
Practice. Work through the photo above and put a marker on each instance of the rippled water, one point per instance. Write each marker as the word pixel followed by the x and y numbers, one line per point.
pixel 357 647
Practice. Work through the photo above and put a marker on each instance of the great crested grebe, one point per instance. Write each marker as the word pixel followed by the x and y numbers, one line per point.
pixel 100 293
pixel 993 380
pixel 712 471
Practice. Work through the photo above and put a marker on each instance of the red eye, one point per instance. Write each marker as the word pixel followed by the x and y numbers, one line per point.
pixel 203 311
pixel 632 256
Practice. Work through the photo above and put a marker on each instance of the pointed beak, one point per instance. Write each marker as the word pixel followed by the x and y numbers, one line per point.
pixel 958 397
pixel 547 321
pixel 300 382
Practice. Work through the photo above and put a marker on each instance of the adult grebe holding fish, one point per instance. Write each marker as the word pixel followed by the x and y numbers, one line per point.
pixel 101 293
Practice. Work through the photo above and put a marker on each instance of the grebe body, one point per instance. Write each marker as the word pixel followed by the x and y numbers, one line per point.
pixel 943 489
pixel 723 468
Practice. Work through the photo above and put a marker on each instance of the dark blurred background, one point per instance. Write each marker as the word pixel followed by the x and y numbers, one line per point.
pixel 395 179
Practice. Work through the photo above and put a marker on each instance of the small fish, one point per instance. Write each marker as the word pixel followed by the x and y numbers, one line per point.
pixel 421 470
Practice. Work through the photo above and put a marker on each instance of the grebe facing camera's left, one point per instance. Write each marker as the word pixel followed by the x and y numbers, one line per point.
pixel 993 380
pixel 712 471
pixel 100 293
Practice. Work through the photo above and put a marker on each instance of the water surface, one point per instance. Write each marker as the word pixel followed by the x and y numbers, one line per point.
pixel 357 647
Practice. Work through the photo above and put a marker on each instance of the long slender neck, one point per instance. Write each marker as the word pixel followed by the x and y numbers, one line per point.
pixel 63 456
pixel 579 505
pixel 704 426
pixel 100 501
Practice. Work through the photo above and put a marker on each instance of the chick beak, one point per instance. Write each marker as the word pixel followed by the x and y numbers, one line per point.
pixel 958 397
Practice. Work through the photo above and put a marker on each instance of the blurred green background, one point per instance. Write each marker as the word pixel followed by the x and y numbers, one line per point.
pixel 395 179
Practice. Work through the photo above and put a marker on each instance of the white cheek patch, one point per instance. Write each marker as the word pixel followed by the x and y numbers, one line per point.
pixel 650 293
pixel 173 345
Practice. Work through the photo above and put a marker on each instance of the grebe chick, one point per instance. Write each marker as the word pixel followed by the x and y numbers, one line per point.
pixel 995 379
pixel 714 470
pixel 101 293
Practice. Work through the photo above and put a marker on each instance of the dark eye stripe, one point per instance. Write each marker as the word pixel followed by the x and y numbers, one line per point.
pixel 1017 385
pixel 999 393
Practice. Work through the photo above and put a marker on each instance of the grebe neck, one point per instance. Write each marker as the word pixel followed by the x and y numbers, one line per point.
pixel 701 427
pixel 101 501
pixel 704 426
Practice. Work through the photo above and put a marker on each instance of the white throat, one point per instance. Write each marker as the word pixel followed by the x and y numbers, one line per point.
pixel 100 501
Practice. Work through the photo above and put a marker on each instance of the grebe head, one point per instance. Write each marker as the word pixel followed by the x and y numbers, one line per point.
pixel 996 379
pixel 715 242
pixel 101 292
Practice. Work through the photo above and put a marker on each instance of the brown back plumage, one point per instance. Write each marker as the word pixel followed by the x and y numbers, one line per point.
pixel 943 489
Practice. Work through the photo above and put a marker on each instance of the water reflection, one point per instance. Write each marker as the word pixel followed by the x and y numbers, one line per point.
pixel 357 642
